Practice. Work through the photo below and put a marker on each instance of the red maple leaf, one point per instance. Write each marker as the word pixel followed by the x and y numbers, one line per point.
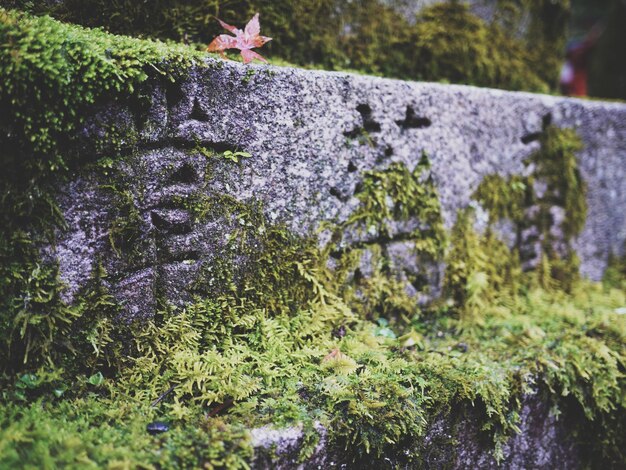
pixel 245 40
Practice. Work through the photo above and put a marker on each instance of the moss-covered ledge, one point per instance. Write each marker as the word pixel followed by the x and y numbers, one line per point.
pixel 197 252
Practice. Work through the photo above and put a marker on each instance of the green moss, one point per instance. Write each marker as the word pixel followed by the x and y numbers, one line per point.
pixel 557 165
pixel 125 230
pixel 503 198
pixel 52 71
pixel 290 345
pixel 267 351
pixel 388 199
pixel 615 271
pixel 248 76
pixel 90 434
pixel 397 194
pixel 275 368
pixel 544 26
pixel 52 75
pixel 275 359
pixel 452 44
pixel 529 202
pixel 382 295
pixel 478 268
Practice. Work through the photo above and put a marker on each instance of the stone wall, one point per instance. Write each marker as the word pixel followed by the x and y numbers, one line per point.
pixel 311 135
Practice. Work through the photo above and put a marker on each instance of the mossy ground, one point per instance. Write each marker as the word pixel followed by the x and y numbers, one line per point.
pixel 376 387
pixel 293 342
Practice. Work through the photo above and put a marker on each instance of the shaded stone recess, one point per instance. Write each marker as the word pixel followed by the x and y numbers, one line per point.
pixel 453 440
pixel 311 135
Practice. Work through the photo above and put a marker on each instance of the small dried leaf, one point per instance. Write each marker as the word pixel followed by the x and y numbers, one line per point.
pixel 244 40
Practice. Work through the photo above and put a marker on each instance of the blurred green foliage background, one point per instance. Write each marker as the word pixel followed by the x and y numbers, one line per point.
pixel 509 44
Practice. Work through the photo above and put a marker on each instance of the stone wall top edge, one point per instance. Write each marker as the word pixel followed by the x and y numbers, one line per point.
pixel 355 78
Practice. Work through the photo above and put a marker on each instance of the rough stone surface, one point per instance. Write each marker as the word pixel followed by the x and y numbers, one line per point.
pixel 311 136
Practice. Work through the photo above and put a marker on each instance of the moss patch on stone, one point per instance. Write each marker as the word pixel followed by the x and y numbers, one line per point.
pixel 292 346
pixel 320 361
pixel 53 75
pixel 548 207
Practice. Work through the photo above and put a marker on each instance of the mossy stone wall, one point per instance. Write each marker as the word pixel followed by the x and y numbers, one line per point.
pixel 308 165
pixel 216 246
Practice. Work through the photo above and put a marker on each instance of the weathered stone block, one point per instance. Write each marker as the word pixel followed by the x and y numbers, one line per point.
pixel 311 136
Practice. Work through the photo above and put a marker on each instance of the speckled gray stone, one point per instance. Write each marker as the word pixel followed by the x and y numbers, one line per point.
pixel 311 135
